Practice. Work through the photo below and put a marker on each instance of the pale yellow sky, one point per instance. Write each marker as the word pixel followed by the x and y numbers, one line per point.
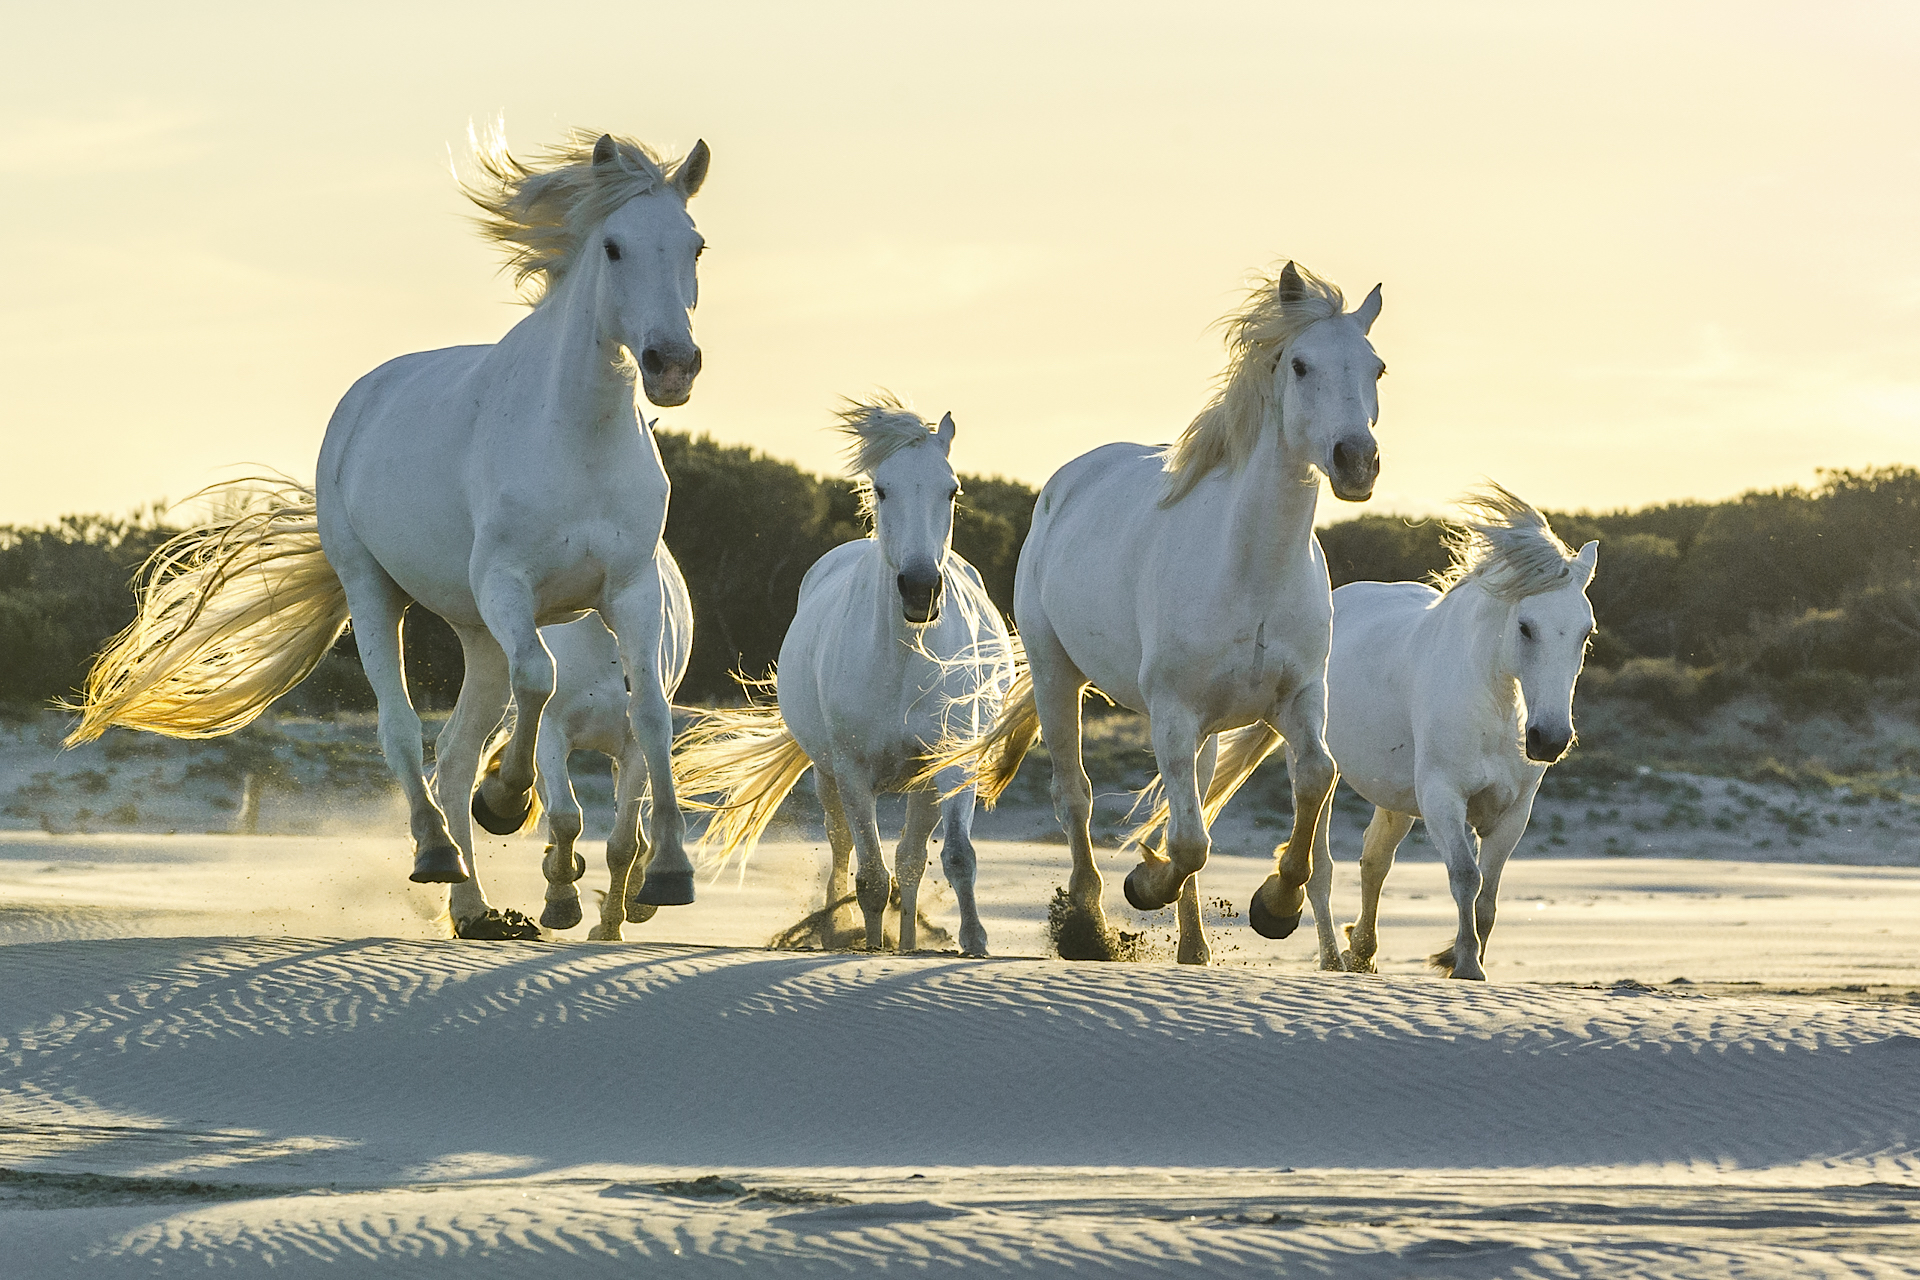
pixel 1631 252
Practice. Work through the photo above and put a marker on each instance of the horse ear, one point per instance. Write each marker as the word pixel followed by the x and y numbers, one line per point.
pixel 1589 557
pixel 1367 312
pixel 606 152
pixel 1292 288
pixel 945 433
pixel 693 170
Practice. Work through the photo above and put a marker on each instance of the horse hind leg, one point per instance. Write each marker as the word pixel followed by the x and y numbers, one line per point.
pixel 626 849
pixel 560 864
pixel 1384 834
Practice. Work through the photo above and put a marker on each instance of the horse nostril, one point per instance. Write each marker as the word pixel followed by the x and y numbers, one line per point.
pixel 1533 740
pixel 694 367
pixel 651 361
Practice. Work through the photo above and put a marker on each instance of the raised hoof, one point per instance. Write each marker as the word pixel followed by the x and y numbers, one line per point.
pixel 639 912
pixel 665 889
pixel 497 926
pixel 497 823
pixel 562 914
pixel 441 864
pixel 1267 924
pixel 1135 887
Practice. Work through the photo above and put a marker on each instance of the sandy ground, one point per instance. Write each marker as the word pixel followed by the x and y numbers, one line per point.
pixel 253 1053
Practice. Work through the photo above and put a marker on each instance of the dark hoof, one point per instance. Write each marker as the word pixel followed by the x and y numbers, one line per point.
pixel 498 926
pixel 441 864
pixel 1268 925
pixel 563 914
pixel 1135 888
pixel 499 824
pixel 665 889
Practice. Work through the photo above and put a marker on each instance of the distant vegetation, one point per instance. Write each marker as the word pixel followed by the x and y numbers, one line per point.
pixel 1810 596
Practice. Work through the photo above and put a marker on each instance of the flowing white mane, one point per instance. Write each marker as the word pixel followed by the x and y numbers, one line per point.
pixel 1223 434
pixel 1506 546
pixel 876 430
pixel 541 211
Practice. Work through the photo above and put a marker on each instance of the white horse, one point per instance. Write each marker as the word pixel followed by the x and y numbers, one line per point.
pixel 894 647
pixel 1186 583
pixel 1477 678
pixel 503 487
pixel 588 712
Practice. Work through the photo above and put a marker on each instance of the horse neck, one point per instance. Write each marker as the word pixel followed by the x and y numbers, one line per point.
pixel 1472 621
pixel 1272 503
pixel 587 384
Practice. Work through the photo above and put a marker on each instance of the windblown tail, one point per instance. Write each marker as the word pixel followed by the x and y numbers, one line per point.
pixel 991 759
pixel 1241 752
pixel 745 756
pixel 232 615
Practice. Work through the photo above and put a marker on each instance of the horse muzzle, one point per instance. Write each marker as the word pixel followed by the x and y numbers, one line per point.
pixel 920 596
pixel 667 371
pixel 1546 746
pixel 1356 465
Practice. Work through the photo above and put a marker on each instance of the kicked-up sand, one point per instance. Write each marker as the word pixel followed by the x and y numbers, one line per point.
pixel 253 1055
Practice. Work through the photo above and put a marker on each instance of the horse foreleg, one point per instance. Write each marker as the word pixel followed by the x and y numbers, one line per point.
pixel 1495 848
pixel 872 884
pixel 958 861
pixel 504 800
pixel 378 605
pixel 1446 813
pixel 560 864
pixel 1320 895
pixel 1156 881
pixel 483 700
pixel 1384 834
pixel 910 863
pixel 1275 909
pixel 635 618
pixel 1193 948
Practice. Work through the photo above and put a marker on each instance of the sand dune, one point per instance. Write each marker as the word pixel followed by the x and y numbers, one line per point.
pixel 404 1105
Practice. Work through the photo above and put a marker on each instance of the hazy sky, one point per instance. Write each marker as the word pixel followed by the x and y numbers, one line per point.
pixel 1631 252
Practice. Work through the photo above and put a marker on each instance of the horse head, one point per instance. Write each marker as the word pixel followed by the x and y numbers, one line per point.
pixel 1546 646
pixel 1325 382
pixel 913 493
pixel 646 288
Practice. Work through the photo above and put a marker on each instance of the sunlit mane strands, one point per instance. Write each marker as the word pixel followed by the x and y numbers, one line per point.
pixel 876 430
pixel 1506 546
pixel 1224 432
pixel 541 211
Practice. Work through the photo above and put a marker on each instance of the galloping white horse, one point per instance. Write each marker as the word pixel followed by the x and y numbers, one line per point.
pixel 502 487
pixel 588 712
pixel 894 648
pixel 1477 679
pixel 1186 583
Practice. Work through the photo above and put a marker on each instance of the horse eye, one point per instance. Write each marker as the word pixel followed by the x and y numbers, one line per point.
pixel 879 495
pixel 952 494
pixel 1299 368
pixel 1526 631
pixel 697 252
pixel 613 252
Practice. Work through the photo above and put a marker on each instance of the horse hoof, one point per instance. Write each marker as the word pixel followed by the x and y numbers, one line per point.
pixel 1268 925
pixel 441 864
pixel 497 823
pixel 666 889
pixel 563 914
pixel 1136 890
pixel 639 912
pixel 497 926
